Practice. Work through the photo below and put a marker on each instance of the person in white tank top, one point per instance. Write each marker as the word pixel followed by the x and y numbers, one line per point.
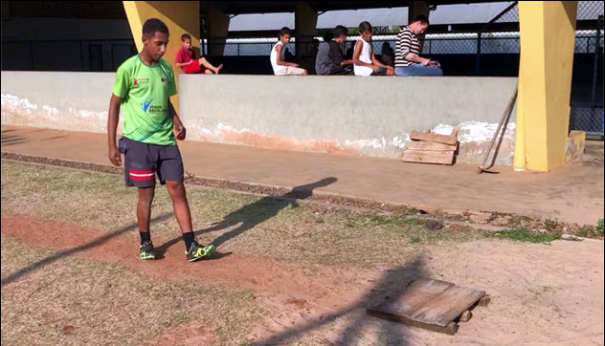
pixel 278 57
pixel 365 61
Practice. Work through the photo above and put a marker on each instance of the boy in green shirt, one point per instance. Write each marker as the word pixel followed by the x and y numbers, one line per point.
pixel 143 87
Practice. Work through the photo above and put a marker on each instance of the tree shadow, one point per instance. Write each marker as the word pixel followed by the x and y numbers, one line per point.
pixel 393 284
pixel 254 214
pixel 66 253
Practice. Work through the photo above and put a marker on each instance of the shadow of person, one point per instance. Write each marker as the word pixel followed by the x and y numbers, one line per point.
pixel 393 284
pixel 252 215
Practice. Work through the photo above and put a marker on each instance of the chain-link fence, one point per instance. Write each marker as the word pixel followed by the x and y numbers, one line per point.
pixel 483 53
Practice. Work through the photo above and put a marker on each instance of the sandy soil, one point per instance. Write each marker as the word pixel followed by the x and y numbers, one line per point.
pixel 542 294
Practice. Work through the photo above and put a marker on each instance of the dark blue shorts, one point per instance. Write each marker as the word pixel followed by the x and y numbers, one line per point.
pixel 143 162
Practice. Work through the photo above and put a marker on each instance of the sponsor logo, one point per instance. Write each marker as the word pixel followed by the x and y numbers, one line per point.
pixel 145 105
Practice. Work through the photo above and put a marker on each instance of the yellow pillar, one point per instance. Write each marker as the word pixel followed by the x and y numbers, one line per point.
pixel 180 17
pixel 520 161
pixel 548 30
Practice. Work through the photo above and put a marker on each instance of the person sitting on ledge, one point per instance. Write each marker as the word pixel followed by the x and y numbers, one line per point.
pixel 408 61
pixel 187 61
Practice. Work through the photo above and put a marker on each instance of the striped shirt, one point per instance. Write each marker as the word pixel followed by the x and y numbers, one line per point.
pixel 407 42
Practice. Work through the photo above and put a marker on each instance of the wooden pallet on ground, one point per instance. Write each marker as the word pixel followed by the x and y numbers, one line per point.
pixel 430 304
pixel 431 148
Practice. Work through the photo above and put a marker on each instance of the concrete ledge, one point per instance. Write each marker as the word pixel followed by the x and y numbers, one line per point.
pixel 346 115
pixel 336 115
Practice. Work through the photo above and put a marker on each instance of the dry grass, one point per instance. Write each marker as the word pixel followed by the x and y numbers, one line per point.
pixel 272 227
pixel 78 302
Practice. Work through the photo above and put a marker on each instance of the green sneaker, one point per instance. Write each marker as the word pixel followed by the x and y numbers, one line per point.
pixel 198 252
pixel 147 251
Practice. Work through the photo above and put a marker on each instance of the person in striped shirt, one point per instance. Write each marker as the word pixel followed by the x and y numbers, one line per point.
pixel 408 61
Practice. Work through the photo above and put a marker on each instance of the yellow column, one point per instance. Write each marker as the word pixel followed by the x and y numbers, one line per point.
pixel 180 17
pixel 520 161
pixel 547 52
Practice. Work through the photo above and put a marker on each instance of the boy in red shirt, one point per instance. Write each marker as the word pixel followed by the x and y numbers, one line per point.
pixel 187 61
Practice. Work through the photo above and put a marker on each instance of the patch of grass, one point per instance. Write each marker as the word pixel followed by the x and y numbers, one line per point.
pixel 78 302
pixel 524 235
pixel 600 228
pixel 254 225
pixel 552 226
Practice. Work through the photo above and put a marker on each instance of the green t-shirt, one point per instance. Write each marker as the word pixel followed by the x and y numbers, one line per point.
pixel 145 91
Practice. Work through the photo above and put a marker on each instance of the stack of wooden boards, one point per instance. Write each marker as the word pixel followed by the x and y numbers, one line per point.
pixel 431 148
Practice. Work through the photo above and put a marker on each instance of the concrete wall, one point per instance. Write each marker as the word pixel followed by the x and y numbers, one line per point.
pixel 341 115
pixel 349 115
pixel 76 101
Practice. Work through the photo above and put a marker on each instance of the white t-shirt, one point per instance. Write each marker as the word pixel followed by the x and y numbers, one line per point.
pixel 366 56
pixel 278 69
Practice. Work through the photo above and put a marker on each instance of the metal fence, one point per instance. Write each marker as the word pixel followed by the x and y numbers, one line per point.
pixel 484 53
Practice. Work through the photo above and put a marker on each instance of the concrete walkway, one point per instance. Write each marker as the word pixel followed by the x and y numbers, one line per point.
pixel 571 194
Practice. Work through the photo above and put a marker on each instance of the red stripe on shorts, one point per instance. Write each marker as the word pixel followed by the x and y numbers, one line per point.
pixel 136 175
pixel 134 171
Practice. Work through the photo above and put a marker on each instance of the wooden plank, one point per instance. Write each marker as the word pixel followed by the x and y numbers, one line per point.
pixel 448 306
pixel 450 329
pixel 433 157
pixel 485 301
pixel 431 137
pixel 466 316
pixel 415 296
pixel 430 146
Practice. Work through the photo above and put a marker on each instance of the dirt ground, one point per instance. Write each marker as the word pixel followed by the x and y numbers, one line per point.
pixel 543 294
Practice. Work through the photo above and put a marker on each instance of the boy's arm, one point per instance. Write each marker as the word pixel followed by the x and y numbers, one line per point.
pixel 378 62
pixel 357 54
pixel 112 127
pixel 181 131
pixel 280 62
pixel 418 59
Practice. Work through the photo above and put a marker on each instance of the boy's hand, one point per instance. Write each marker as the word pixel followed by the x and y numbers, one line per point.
pixel 376 68
pixel 115 156
pixel 181 131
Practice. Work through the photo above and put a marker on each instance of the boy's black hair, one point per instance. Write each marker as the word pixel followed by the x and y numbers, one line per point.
pixel 422 19
pixel 154 25
pixel 340 31
pixel 185 37
pixel 285 31
pixel 365 27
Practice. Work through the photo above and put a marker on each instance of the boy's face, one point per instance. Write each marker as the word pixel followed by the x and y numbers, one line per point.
pixel 155 46
pixel 340 40
pixel 286 38
pixel 366 35
pixel 420 28
pixel 187 43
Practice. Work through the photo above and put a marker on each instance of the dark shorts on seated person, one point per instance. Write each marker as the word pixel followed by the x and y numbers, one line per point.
pixel 418 70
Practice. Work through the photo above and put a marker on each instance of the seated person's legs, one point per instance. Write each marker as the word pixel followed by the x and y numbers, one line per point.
pixel 209 67
pixel 296 71
pixel 419 71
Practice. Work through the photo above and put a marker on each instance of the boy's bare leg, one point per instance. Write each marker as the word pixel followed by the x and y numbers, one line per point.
pixel 209 66
pixel 181 205
pixel 144 208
